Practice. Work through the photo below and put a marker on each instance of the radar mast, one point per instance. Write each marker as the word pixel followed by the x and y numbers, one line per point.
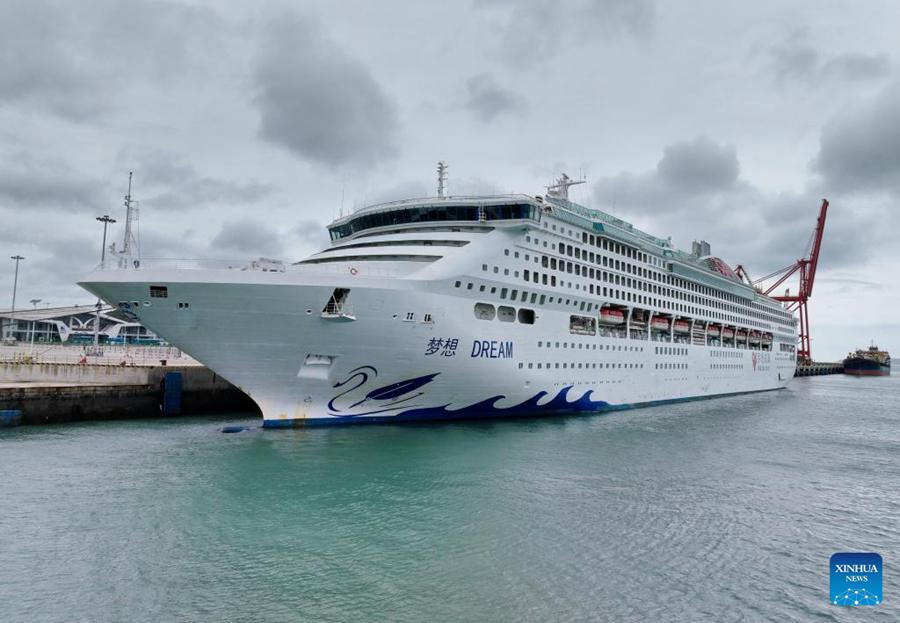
pixel 560 190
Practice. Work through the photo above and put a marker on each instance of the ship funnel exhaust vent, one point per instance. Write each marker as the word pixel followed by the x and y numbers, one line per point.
pixel 700 249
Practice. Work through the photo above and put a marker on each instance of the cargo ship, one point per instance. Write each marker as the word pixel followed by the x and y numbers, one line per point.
pixel 461 307
pixel 871 362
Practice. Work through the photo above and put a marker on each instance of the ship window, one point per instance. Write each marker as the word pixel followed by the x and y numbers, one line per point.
pixel 506 314
pixel 526 316
pixel 159 292
pixel 484 311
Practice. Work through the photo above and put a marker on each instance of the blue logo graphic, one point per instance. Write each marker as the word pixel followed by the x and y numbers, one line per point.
pixel 855 579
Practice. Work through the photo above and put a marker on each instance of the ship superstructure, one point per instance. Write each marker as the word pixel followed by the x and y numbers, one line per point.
pixel 454 307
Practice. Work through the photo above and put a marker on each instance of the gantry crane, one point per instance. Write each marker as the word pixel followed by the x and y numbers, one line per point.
pixel 807 268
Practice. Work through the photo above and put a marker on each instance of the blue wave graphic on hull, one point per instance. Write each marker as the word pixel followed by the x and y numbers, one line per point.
pixel 488 408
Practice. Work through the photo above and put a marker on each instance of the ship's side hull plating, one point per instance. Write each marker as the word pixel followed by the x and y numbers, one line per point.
pixel 415 350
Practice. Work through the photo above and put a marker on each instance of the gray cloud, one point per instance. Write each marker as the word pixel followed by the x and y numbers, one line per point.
pixel 687 169
pixel 402 190
pixel 311 234
pixel 617 17
pixel 28 181
pixel 76 59
pixel 794 60
pixel 317 101
pixel 860 67
pixel 487 100
pixel 249 237
pixel 861 151
pixel 167 182
pixel 698 166
pixel 695 192
pixel 533 30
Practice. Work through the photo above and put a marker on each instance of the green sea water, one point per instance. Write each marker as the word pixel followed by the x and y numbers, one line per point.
pixel 720 510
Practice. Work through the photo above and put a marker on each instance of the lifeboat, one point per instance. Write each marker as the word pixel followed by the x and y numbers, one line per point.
pixel 712 330
pixel 767 338
pixel 659 324
pixel 742 336
pixel 728 333
pixel 682 326
pixel 611 317
pixel 754 337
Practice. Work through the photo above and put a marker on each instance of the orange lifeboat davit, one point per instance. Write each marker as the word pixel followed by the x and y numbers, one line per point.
pixel 611 317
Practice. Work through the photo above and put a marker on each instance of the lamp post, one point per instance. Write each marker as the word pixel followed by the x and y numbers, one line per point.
pixel 12 312
pixel 33 302
pixel 106 220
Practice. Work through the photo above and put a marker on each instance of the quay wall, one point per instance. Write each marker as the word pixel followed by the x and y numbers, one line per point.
pixel 195 377
pixel 51 393
pixel 817 368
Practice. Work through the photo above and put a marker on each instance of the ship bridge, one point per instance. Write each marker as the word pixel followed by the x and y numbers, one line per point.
pixel 462 211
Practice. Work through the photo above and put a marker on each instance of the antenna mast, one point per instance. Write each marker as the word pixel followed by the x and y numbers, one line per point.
pixel 442 177
pixel 560 190
pixel 130 248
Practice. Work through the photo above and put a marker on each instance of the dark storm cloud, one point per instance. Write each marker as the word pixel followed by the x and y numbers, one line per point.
pixel 164 181
pixel 36 182
pixel 487 100
pixel 861 151
pixel 247 237
pixel 695 192
pixel 530 30
pixel 319 102
pixel 75 59
pixel 795 60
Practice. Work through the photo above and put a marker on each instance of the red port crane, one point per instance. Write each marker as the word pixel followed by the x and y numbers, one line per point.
pixel 807 268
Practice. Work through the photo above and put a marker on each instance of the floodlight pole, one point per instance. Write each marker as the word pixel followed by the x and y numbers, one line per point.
pixel 12 312
pixel 106 220
pixel 33 302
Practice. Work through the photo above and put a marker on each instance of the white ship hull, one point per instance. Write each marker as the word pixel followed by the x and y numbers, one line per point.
pixel 266 333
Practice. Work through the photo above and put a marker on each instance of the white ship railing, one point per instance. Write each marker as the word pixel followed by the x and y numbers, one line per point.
pixel 361 268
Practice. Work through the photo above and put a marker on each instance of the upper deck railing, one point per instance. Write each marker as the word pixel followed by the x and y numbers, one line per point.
pixel 264 265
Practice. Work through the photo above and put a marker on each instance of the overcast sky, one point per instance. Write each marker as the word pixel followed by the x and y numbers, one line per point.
pixel 248 125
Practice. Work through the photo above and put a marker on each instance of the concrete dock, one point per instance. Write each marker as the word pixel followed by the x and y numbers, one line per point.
pixel 818 368
pixel 47 393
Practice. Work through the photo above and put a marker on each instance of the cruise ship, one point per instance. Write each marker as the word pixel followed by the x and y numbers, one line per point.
pixel 465 307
